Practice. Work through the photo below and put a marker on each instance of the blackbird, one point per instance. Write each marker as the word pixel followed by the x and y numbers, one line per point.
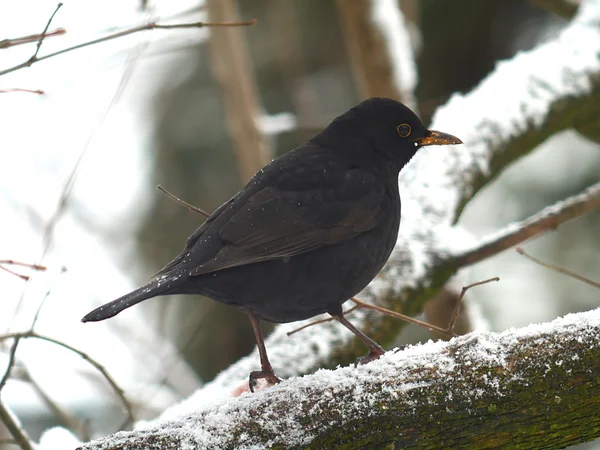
pixel 308 232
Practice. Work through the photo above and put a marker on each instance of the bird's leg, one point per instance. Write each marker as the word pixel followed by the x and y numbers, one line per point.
pixel 375 350
pixel 266 371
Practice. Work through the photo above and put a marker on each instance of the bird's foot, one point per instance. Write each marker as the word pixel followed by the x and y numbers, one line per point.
pixel 372 356
pixel 268 376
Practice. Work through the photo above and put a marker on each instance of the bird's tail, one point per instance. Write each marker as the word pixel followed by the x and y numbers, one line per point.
pixel 152 289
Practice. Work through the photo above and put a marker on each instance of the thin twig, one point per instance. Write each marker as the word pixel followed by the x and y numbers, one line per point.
pixel 559 269
pixel 22 277
pixel 448 331
pixel 12 262
pixel 145 27
pixel 316 322
pixel 28 91
pixel 11 363
pixel 14 428
pixel 43 35
pixel 182 202
pixel 120 393
pixel 547 219
pixel 6 43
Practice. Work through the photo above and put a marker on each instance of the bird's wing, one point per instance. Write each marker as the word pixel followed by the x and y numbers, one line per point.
pixel 298 213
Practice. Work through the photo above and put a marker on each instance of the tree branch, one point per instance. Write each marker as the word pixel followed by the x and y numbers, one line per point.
pixel 32 334
pixel 232 70
pixel 547 219
pixel 148 26
pixel 377 73
pixel 465 393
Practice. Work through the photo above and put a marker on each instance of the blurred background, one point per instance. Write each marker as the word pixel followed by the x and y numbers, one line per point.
pixel 79 168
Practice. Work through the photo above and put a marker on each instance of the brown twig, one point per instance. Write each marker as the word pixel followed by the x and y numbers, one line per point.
pixel 16 263
pixel 6 43
pixel 547 219
pixel 316 322
pixel 120 393
pixel 558 269
pixel 17 432
pixel 145 27
pixel 28 91
pixel 182 202
pixel 448 331
pixel 12 262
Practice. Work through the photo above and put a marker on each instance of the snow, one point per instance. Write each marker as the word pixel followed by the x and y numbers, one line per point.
pixel 358 391
pixel 387 16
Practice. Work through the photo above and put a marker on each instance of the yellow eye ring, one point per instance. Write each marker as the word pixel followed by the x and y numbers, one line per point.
pixel 404 130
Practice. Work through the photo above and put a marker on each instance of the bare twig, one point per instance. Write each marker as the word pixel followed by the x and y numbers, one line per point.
pixel 14 428
pixel 12 262
pixel 120 393
pixel 11 363
pixel 182 202
pixel 28 91
pixel 559 269
pixel 43 35
pixel 547 219
pixel 448 331
pixel 22 277
pixel 145 27
pixel 316 322
pixel 6 43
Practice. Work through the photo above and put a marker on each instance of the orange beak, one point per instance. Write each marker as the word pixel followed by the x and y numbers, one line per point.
pixel 437 138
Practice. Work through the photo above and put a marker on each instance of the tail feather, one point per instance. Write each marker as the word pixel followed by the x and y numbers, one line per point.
pixel 154 288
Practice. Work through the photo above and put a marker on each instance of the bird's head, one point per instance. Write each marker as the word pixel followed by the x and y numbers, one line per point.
pixel 388 129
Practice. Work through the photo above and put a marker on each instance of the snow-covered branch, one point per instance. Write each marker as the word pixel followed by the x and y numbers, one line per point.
pixel 541 380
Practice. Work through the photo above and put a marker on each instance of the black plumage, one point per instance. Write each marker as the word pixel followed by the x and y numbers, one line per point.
pixel 309 231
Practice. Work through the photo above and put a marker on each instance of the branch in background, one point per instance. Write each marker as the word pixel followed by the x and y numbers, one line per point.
pixel 563 8
pixel 367 26
pixel 120 393
pixel 232 70
pixel 540 379
pixel 559 269
pixel 148 26
pixel 15 429
pixel 547 219
pixel 29 91
pixel 6 43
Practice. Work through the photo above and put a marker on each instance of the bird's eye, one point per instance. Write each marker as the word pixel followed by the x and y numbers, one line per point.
pixel 403 130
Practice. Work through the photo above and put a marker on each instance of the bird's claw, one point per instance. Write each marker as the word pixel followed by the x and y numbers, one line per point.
pixel 269 376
